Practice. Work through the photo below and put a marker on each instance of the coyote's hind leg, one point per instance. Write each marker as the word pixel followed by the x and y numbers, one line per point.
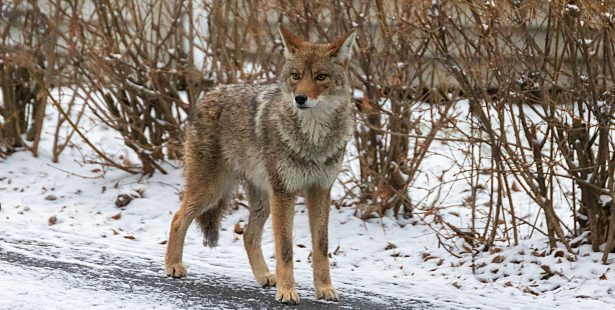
pixel 203 191
pixel 175 247
pixel 259 212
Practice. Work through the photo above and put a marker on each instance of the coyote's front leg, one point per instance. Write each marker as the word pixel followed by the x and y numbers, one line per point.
pixel 318 202
pixel 282 212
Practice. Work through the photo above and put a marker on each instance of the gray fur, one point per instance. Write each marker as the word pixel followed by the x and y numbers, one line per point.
pixel 257 132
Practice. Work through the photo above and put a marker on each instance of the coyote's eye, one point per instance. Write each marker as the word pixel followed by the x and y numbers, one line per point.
pixel 295 76
pixel 321 76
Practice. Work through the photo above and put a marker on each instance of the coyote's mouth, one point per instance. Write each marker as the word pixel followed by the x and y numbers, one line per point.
pixel 308 104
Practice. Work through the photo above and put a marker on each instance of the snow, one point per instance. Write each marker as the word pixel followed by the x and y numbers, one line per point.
pixel 572 7
pixel 20 293
pixel 114 56
pixel 389 257
pixel 605 200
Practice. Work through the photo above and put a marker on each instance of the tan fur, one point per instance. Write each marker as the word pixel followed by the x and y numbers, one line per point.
pixel 318 202
pixel 259 134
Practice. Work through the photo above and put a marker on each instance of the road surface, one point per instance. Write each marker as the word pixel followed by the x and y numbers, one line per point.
pixel 35 274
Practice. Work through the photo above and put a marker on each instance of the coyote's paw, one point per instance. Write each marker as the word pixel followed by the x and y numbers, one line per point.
pixel 177 270
pixel 327 293
pixel 287 296
pixel 268 280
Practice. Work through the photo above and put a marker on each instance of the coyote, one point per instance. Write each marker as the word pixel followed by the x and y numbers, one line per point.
pixel 282 139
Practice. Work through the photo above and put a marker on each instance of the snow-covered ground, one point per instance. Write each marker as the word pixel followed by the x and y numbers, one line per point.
pixel 74 201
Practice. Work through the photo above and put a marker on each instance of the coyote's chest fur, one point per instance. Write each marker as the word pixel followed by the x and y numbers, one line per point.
pixel 270 144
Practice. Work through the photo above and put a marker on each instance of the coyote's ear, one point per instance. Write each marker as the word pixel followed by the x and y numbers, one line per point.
pixel 290 40
pixel 341 48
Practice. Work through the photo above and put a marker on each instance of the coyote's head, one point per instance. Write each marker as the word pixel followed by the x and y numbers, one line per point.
pixel 315 74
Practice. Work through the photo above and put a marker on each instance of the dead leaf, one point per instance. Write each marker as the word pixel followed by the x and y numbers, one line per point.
pixel 498 259
pixel 140 192
pixel 301 245
pixel 123 200
pixel 117 216
pixel 602 277
pixel 427 256
pixel 466 248
pixel 529 290
pixel 163 242
pixel 51 197
pixel 538 253
pixel 390 246
pixel 52 220
pixel 238 229
pixel 130 237
pixel 493 250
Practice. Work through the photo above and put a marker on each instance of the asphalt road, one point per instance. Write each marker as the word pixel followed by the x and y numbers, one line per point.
pixel 111 272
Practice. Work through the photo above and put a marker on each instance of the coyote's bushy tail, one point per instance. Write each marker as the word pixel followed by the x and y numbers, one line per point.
pixel 209 223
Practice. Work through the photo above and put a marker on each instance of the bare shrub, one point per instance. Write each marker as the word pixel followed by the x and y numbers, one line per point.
pixel 133 62
pixel 564 80
pixel 139 80
pixel 537 76
pixel 24 67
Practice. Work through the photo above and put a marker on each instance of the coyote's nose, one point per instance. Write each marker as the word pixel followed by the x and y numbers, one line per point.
pixel 300 99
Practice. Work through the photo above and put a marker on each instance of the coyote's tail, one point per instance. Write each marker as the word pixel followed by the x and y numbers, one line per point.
pixel 209 223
